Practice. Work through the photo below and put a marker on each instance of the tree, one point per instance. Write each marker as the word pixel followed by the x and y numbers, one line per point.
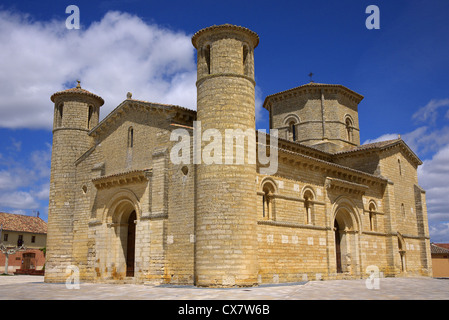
pixel 7 251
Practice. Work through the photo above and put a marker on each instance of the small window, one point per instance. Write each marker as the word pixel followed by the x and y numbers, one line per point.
pixel 89 117
pixel 20 240
pixel 402 209
pixel 130 137
pixel 5 237
pixel 207 57
pixel 59 113
pixel 400 167
pixel 246 64
pixel 33 239
pixel 372 217
pixel 292 126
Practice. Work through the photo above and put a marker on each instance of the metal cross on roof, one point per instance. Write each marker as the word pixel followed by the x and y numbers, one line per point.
pixel 310 75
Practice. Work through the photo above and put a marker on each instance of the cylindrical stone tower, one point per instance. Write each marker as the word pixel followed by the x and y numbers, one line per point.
pixel 226 219
pixel 76 112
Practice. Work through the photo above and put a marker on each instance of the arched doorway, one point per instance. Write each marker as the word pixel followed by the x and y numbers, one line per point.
pixel 121 247
pixel 131 245
pixel 337 246
pixel 346 241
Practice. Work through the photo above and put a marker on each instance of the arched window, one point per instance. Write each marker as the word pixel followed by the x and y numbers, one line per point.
pixel 207 57
pixel 308 206
pixel 130 137
pixel 349 128
pixel 402 209
pixel 292 126
pixel 245 60
pixel 400 167
pixel 372 216
pixel 89 117
pixel 267 199
pixel 402 251
pixel 59 112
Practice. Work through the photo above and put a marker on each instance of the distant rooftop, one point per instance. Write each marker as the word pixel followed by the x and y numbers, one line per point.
pixel 439 248
pixel 22 223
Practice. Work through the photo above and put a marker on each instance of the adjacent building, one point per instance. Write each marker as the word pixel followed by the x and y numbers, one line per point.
pixel 440 259
pixel 21 230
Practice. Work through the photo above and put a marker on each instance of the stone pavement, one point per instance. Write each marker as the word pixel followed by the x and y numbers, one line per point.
pixel 34 288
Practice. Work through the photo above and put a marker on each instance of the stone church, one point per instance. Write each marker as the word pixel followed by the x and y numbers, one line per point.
pixel 122 211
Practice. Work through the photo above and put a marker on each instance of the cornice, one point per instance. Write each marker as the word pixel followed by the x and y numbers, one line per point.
pixel 176 113
pixel 310 88
pixel 122 178
pixel 215 29
pixel 379 147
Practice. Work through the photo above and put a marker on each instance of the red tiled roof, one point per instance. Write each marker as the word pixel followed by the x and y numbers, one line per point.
pixel 436 249
pixel 442 245
pixel 22 223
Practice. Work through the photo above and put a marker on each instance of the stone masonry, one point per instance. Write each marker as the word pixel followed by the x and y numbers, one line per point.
pixel 121 210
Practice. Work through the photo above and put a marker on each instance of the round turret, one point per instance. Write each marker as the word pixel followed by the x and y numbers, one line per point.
pixel 76 112
pixel 226 218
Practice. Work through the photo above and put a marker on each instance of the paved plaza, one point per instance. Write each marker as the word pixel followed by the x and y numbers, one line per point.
pixel 34 288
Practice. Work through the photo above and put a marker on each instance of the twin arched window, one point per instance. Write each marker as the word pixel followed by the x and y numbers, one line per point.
pixel 269 193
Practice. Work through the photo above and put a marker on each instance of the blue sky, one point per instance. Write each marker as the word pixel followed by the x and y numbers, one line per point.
pixel 402 69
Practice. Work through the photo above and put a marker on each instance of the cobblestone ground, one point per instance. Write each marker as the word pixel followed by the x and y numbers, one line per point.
pixel 34 288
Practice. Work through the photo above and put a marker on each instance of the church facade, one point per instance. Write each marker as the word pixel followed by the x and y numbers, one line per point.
pixel 121 210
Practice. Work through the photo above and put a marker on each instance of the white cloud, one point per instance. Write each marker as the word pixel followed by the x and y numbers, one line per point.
pixel 384 137
pixel 41 161
pixel 422 140
pixel 433 176
pixel 14 178
pixel 439 232
pixel 18 200
pixel 24 179
pixel 43 193
pixel 429 113
pixel 427 139
pixel 118 54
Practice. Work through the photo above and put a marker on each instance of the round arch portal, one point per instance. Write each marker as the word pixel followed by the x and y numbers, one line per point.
pixel 346 232
pixel 121 215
